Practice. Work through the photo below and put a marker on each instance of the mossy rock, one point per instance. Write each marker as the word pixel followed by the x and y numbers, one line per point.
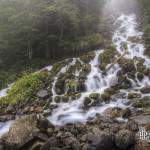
pixel 94 96
pixel 75 96
pixel 140 76
pixel 65 98
pixel 92 101
pixel 87 102
pixel 123 82
pixel 57 67
pixel 145 90
pixel 142 103
pixel 126 113
pixel 106 96
pixel 57 99
pixel 113 112
pixel 86 58
pixel 86 68
pixel 26 87
pixel 107 57
pixel 127 65
pixel 140 65
pixel 134 95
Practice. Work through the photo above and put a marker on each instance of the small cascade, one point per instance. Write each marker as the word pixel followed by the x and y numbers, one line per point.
pixel 4 127
pixel 126 33
pixel 3 92
pixel 96 82
pixel 63 70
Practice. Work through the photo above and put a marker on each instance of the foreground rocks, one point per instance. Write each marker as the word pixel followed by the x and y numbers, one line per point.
pixel 34 132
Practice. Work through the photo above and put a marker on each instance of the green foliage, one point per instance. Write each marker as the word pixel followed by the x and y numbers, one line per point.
pixel 24 88
pixel 37 31
pixel 90 40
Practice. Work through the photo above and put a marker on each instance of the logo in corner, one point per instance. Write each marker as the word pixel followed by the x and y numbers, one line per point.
pixel 143 135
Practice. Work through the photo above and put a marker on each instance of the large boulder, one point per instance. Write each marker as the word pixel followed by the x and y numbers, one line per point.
pixel 125 139
pixel 145 90
pixel 25 130
pixel 104 141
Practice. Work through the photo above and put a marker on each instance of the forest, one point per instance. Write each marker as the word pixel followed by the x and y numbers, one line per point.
pixel 37 32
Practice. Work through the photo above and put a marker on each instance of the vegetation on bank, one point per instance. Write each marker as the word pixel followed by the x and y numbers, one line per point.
pixel 37 32
pixel 26 88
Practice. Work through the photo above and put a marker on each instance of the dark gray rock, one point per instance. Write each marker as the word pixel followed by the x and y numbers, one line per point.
pixel 124 139
pixel 104 141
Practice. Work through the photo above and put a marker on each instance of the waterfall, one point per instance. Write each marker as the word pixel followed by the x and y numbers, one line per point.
pixel 72 112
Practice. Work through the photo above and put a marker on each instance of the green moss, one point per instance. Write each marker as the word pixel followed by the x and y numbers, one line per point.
pixel 87 57
pixel 142 103
pixel 94 96
pixel 134 95
pixel 86 68
pixel 57 66
pixel 25 88
pixel 107 94
pixel 107 57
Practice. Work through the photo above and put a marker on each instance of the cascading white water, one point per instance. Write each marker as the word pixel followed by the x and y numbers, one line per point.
pixel 72 112
pixel 4 127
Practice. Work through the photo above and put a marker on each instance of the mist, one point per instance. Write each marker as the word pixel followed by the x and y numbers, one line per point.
pixel 116 7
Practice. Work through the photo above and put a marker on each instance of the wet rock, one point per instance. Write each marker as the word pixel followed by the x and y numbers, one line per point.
pixel 140 65
pixel 124 139
pixel 24 130
pixel 104 141
pixel 132 125
pixel 127 65
pixel 52 143
pixel 134 39
pixel 92 100
pixel 86 68
pixel 113 112
pixel 141 119
pixel 145 90
pixel 72 142
pixel 94 96
pixel 107 57
pixel 140 76
pixel 123 82
pixel 87 102
pixel 126 113
pixel 106 96
pixel 142 103
pixel 87 57
pixel 57 99
pixel 134 95
pixel 42 94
